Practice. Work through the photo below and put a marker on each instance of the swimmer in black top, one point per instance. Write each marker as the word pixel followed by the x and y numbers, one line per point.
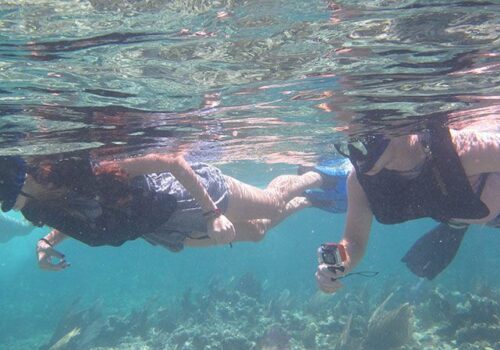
pixel 450 175
pixel 158 197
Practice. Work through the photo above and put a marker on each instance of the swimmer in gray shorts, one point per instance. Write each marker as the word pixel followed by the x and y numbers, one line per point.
pixel 257 210
pixel 187 221
pixel 158 197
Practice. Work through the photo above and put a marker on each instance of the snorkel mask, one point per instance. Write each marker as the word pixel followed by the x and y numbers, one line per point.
pixel 364 152
pixel 12 177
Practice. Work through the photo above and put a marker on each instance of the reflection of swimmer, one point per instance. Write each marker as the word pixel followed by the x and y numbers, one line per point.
pixel 160 198
pixel 449 175
pixel 10 227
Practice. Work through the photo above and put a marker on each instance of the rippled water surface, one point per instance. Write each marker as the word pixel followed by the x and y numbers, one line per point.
pixel 248 84
pixel 272 81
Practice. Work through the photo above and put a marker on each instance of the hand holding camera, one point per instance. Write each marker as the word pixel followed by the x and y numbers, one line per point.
pixel 331 266
pixel 334 256
pixel 332 259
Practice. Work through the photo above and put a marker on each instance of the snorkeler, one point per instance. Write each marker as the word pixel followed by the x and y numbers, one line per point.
pixel 11 227
pixel 445 238
pixel 160 198
pixel 452 176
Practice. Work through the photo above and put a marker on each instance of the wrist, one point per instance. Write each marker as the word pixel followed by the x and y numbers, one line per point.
pixel 46 241
pixel 352 256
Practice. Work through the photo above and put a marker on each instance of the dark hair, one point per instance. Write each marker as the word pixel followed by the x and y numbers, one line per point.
pixel 12 177
pixel 98 204
pixel 80 175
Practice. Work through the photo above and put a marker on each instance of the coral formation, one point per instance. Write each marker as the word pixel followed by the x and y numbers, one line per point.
pixel 235 315
pixel 389 329
pixel 249 285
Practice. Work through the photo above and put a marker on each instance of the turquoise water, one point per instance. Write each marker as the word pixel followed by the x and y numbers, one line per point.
pixel 255 88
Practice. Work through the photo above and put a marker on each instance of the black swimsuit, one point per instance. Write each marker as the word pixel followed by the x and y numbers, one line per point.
pixel 95 217
pixel 441 190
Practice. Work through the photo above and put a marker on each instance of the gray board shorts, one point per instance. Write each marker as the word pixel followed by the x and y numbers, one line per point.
pixel 187 220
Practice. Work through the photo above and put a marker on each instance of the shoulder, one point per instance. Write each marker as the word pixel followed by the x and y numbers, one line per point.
pixel 471 138
pixel 478 150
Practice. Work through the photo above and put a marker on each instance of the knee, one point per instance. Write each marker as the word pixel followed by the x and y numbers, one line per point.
pixel 278 198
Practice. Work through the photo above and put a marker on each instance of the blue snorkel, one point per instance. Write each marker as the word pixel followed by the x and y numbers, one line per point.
pixel 12 177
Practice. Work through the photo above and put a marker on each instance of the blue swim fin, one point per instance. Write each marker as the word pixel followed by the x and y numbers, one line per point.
pixel 332 197
pixel 334 167
pixel 332 171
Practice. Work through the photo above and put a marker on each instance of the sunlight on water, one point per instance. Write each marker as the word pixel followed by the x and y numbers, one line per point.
pixel 284 74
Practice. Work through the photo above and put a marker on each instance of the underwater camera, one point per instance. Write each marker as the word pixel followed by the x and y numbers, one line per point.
pixel 333 255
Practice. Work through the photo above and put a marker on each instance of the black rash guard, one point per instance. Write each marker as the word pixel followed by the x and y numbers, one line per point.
pixel 90 216
pixel 441 191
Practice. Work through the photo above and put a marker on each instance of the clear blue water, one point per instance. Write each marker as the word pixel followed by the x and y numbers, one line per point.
pixel 255 87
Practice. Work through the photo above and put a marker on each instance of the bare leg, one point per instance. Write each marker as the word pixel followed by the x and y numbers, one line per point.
pixel 293 206
pixel 247 202
pixel 255 230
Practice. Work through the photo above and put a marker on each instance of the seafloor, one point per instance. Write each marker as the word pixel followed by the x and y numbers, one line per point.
pixel 238 315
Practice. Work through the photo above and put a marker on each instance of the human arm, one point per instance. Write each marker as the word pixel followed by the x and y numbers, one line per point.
pixel 356 234
pixel 46 253
pixel 220 228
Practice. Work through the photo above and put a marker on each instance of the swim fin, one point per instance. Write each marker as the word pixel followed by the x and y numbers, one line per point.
pixel 332 197
pixel 434 251
pixel 334 172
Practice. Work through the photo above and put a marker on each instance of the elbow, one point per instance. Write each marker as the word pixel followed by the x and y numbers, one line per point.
pixel 178 166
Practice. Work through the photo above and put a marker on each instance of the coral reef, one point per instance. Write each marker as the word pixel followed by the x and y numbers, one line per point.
pixel 77 328
pixel 469 321
pixel 241 314
pixel 249 285
pixel 389 329
pixel 346 341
